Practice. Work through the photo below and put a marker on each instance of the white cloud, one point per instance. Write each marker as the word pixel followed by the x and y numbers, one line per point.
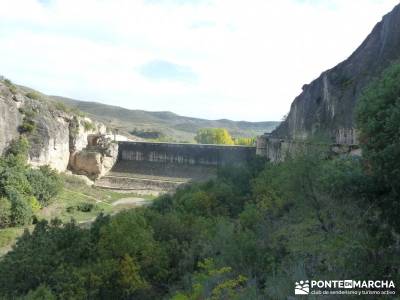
pixel 249 58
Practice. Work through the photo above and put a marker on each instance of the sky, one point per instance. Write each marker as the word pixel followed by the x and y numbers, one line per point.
pixel 213 59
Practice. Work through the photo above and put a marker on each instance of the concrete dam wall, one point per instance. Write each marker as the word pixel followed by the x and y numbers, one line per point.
pixel 191 154
pixel 154 168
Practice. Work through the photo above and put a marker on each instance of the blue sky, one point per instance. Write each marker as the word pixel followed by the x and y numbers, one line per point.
pixel 243 60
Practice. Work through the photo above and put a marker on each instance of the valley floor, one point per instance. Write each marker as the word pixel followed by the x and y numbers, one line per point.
pixel 80 202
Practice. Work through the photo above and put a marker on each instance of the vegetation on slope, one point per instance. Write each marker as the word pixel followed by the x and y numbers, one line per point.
pixel 249 234
pixel 379 123
pixel 169 126
pixel 23 190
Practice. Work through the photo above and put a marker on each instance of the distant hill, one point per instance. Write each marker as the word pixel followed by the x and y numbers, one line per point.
pixel 170 125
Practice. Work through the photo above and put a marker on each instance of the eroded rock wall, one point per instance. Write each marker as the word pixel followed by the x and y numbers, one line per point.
pixel 10 118
pixel 55 134
pixel 326 107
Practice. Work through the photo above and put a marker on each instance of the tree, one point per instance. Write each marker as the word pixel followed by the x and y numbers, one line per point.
pixel 45 183
pixel 5 212
pixel 21 209
pixel 214 136
pixel 245 141
pixel 378 119
pixel 41 293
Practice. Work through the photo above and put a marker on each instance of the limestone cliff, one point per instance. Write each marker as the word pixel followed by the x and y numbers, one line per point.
pixel 10 118
pixel 326 106
pixel 53 131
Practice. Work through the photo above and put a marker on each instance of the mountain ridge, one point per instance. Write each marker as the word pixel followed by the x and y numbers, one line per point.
pixel 171 124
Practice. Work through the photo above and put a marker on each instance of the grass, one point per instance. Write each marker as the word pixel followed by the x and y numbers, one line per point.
pixel 66 207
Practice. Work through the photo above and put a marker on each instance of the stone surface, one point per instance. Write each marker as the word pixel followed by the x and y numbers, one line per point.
pixel 326 106
pixel 10 117
pixel 95 160
pixel 57 133
pixel 185 154
pixel 276 149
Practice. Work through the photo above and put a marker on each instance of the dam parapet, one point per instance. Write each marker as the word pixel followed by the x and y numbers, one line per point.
pixel 152 167
pixel 189 154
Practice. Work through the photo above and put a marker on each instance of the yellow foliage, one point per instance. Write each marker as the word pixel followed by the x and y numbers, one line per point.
pixel 219 136
pixel 34 203
pixel 245 141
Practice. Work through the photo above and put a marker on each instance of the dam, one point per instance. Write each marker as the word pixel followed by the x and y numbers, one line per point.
pixel 156 167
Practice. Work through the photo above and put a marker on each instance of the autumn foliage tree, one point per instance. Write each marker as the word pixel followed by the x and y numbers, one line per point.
pixel 214 136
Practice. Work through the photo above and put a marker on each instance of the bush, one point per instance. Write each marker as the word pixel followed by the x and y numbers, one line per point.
pixel 33 95
pixel 34 203
pixel 85 207
pixel 19 147
pixel 378 119
pixel 27 126
pixel 40 293
pixel 8 82
pixel 61 106
pixel 5 212
pixel 147 134
pixel 26 190
pixel 89 126
pixel 70 209
pixel 45 183
pixel 21 210
pixel 10 85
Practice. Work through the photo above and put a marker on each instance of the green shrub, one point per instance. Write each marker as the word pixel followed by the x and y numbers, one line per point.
pixel 85 207
pixel 45 183
pixel 18 147
pixel 40 293
pixel 26 189
pixel 10 85
pixel 34 203
pixel 89 126
pixel 27 126
pixel 14 179
pixel 5 212
pixel 378 119
pixel 21 210
pixel 70 209
pixel 33 95
pixel 148 133
pixel 13 89
pixel 8 82
pixel 61 106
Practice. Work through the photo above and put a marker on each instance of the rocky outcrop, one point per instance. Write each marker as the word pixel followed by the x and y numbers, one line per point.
pixel 54 133
pixel 10 118
pixel 96 159
pixel 326 107
pixel 277 150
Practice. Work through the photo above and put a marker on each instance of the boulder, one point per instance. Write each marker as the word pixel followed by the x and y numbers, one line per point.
pixel 93 161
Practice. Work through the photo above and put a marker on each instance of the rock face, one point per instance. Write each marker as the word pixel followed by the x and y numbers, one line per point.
pixel 326 106
pixel 10 118
pixel 96 159
pixel 53 132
